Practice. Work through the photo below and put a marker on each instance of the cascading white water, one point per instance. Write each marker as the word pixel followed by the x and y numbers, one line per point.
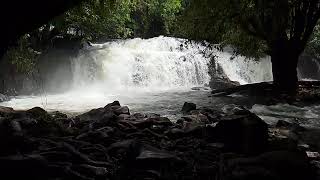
pixel 155 64
pixel 148 75
pixel 159 63
pixel 245 70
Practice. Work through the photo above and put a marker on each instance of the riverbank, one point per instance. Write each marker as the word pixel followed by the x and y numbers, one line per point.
pixel 111 143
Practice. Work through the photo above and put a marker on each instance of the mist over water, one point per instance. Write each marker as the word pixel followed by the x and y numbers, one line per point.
pixel 148 75
pixel 149 65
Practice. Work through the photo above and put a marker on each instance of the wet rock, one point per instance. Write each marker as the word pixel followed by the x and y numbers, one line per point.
pixel 211 114
pixel 98 117
pixel 150 153
pixel 129 148
pixel 222 83
pixel 187 107
pixel 122 110
pixel 114 103
pixel 150 122
pixel 150 156
pixel 200 89
pixel 108 118
pixel 16 127
pixel 163 164
pixel 245 133
pixel 175 133
pixel 92 170
pixel 139 115
pixel 310 136
pixel 195 130
pixel 124 117
pixel 233 109
pixel 92 115
pixel 4 98
pixel 152 115
pixel 283 124
pixel 142 124
pixel 110 143
pixel 161 121
pixel 216 145
pixel 5 110
pixel 282 165
pixel 196 88
pixel 19 167
pixel 198 119
pixel 58 114
pixel 37 112
pixel 94 136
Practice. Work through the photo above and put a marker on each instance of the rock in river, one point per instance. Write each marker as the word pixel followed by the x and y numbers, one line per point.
pixel 243 132
pixel 187 107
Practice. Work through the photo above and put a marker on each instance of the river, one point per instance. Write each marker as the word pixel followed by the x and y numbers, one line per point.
pixel 156 75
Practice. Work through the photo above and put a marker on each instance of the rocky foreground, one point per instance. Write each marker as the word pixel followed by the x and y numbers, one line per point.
pixel 111 143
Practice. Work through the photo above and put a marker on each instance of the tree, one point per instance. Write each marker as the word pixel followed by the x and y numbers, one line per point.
pixel 154 17
pixel 313 47
pixel 279 28
pixel 95 19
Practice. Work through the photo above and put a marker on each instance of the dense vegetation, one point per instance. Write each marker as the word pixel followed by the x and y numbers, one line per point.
pixel 96 20
pixel 282 29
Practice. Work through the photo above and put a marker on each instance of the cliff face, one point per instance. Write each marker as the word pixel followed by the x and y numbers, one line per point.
pixel 20 17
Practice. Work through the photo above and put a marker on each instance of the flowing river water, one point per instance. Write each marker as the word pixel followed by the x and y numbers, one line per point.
pixel 156 75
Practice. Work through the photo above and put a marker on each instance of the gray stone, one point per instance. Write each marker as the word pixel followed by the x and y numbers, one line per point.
pixel 282 165
pixel 245 133
pixel 187 107
pixel 4 98
pixel 122 110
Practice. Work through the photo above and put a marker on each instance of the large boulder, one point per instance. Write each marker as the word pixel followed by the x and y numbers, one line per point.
pixel 187 107
pixel 242 132
pixel 103 116
pixel 144 161
pixel 219 79
pixel 222 83
pixel 5 110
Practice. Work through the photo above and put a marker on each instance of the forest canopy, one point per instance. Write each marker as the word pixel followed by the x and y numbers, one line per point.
pixel 253 28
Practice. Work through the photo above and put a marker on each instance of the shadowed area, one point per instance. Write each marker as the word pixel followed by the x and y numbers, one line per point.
pixel 20 17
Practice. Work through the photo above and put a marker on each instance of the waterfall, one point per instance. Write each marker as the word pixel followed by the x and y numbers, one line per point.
pixel 148 75
pixel 159 63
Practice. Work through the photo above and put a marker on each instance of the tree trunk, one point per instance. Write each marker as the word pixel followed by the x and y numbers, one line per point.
pixel 284 68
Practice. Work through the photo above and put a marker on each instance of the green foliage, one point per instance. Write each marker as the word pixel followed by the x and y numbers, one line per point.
pixel 253 27
pixel 214 21
pixel 313 47
pixel 96 19
pixel 23 56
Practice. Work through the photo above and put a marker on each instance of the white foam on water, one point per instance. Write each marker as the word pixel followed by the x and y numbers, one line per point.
pixel 143 73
